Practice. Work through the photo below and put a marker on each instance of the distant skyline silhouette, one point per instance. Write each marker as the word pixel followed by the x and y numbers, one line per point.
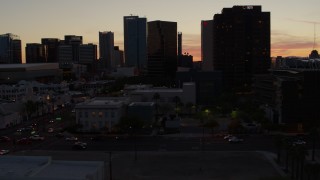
pixel 292 21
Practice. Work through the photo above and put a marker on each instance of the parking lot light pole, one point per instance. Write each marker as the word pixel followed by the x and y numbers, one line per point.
pixel 110 165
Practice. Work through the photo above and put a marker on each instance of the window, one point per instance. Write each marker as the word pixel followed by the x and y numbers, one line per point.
pixel 106 114
pixel 93 114
pixel 100 114
pixel 80 114
pixel 112 114
pixel 86 114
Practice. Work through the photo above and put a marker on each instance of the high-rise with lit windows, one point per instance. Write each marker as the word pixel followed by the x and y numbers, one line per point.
pixel 241 44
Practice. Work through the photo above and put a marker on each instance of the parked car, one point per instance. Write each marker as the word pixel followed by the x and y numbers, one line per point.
pixel 228 136
pixel 72 138
pixel 59 135
pixel 4 151
pixel 36 137
pixel 4 139
pixel 235 140
pixel 81 143
pixel 298 142
pixel 24 141
pixel 79 147
pixel 51 121
pixel 50 130
pixel 96 138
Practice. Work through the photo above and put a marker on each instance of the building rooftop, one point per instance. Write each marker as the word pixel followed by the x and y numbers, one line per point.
pixel 29 67
pixel 43 167
pixel 142 104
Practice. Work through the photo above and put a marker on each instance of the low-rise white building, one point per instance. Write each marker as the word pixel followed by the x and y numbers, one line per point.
pixel 44 168
pixel 100 114
pixel 187 94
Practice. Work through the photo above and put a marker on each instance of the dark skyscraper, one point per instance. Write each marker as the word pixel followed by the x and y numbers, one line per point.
pixel 179 43
pixel 52 45
pixel 206 45
pixel 75 42
pixel 106 49
pixel 162 48
pixel 241 43
pixel 10 49
pixel 36 53
pixel 135 42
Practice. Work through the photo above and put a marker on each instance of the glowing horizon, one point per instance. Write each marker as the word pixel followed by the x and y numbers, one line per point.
pixel 292 27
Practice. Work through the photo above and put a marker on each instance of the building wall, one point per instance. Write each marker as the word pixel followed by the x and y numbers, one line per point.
pixel 106 49
pixel 10 49
pixel 241 44
pixel 52 45
pixel 207 45
pixel 135 41
pixel 36 53
pixel 162 49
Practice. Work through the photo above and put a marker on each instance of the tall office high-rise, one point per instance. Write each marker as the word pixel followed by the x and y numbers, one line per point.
pixel 36 53
pixel 52 45
pixel 162 48
pixel 207 45
pixel 179 43
pixel 88 56
pixel 10 49
pixel 135 41
pixel 241 44
pixel 75 42
pixel 106 49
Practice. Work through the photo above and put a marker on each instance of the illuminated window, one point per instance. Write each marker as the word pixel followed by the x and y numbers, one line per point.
pixel 93 114
pixel 100 114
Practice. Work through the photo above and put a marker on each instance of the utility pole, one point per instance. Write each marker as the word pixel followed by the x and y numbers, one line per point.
pixel 110 164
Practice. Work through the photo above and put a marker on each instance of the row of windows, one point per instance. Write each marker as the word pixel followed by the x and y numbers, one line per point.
pixel 97 114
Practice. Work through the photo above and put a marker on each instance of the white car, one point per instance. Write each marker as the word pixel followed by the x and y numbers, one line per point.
pixel 36 137
pixel 80 143
pixel 235 140
pixel 227 137
pixel 71 138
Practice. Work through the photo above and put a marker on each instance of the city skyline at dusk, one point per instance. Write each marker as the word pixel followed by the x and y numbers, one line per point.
pixel 292 22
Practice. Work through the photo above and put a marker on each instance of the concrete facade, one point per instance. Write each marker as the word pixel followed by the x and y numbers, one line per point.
pixel 100 114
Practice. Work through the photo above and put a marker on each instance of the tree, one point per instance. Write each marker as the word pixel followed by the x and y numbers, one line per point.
pixel 211 124
pixel 156 97
pixel 30 107
pixel 177 101
pixel 130 124
pixel 314 134
pixel 278 142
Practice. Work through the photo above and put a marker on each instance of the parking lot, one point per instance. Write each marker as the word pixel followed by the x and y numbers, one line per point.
pixel 176 165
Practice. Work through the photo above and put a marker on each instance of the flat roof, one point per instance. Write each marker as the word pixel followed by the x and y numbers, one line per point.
pixel 159 90
pixel 142 104
pixel 43 167
pixel 29 67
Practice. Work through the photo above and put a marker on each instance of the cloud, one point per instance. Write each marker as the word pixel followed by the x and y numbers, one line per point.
pixel 304 21
pixel 286 44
